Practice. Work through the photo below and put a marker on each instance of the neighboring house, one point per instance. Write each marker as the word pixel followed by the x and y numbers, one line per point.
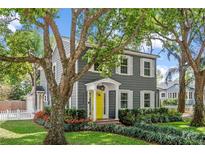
pixel 132 85
pixel 170 90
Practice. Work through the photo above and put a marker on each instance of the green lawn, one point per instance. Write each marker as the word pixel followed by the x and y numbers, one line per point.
pixel 27 132
pixel 184 125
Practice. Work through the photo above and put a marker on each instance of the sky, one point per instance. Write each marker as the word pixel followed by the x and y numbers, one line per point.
pixel 64 24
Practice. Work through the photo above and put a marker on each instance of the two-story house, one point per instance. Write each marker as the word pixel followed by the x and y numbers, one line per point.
pixel 132 85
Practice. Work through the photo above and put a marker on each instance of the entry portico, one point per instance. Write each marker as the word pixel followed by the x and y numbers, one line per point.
pixel 98 98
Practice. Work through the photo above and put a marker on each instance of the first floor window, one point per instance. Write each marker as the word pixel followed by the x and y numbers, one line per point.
pixel 147 100
pixel 124 100
pixel 162 94
pixel 190 95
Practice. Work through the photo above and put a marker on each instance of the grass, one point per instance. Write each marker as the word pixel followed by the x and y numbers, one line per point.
pixel 184 125
pixel 26 132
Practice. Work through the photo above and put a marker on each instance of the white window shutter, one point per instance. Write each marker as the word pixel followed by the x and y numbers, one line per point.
pixel 130 100
pixel 130 65
pixel 153 68
pixel 141 67
pixel 141 99
pixel 117 70
pixel 152 99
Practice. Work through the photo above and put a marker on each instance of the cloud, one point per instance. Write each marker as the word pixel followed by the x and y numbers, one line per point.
pixel 14 25
pixel 163 69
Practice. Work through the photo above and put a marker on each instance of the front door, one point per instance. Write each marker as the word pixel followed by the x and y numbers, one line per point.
pixel 100 104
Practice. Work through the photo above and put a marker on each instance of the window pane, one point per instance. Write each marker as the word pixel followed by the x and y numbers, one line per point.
pixel 124 69
pixel 124 100
pixel 146 100
pixel 124 64
pixel 147 68
pixel 147 64
pixel 96 67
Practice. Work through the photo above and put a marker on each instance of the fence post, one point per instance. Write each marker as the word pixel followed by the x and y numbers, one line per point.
pixel 7 114
pixel 18 114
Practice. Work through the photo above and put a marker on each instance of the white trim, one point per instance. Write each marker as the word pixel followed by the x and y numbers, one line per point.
pixel 130 98
pixel 152 67
pixel 141 54
pixel 76 85
pixel 152 98
pixel 92 69
pixel 126 51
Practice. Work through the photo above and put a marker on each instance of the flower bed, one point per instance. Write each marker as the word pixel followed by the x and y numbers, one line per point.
pixel 130 117
pixel 74 120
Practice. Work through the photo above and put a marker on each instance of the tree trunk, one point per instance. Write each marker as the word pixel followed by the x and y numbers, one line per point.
pixel 182 90
pixel 55 134
pixel 198 119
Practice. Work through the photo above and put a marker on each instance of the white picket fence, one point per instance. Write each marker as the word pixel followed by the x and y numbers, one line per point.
pixel 16 115
pixel 188 108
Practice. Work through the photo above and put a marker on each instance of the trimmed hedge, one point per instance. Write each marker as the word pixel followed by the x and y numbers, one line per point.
pixel 149 136
pixel 130 117
pixel 172 131
pixel 149 133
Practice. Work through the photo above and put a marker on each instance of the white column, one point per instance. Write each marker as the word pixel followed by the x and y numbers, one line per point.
pixel 88 107
pixel 94 112
pixel 117 103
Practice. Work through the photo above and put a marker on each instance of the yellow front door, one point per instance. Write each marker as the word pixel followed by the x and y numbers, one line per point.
pixel 99 104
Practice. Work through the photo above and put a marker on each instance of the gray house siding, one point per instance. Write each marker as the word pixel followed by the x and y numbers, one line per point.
pixel 56 61
pixel 134 82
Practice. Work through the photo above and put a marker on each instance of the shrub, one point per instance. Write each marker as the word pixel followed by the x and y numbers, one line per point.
pixel 129 117
pixel 142 133
pixel 75 114
pixel 172 131
pixel 47 110
pixel 170 102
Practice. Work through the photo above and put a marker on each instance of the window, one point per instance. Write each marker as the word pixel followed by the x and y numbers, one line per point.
pixel 162 94
pixel 190 95
pixel 147 100
pixel 147 68
pixel 174 95
pixel 54 69
pixel 124 100
pixel 45 98
pixel 124 66
pixel 96 65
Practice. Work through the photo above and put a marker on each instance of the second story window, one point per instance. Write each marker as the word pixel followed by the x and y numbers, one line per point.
pixel 124 66
pixel 54 69
pixel 96 67
pixel 147 67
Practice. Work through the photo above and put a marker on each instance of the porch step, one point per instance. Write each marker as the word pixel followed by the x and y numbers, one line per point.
pixel 108 121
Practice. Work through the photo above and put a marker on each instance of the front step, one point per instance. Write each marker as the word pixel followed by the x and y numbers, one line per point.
pixel 108 121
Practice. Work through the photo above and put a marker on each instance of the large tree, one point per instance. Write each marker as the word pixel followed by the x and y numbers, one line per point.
pixel 186 28
pixel 107 31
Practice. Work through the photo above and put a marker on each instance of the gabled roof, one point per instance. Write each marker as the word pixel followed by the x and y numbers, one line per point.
pixel 168 85
pixel 126 50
